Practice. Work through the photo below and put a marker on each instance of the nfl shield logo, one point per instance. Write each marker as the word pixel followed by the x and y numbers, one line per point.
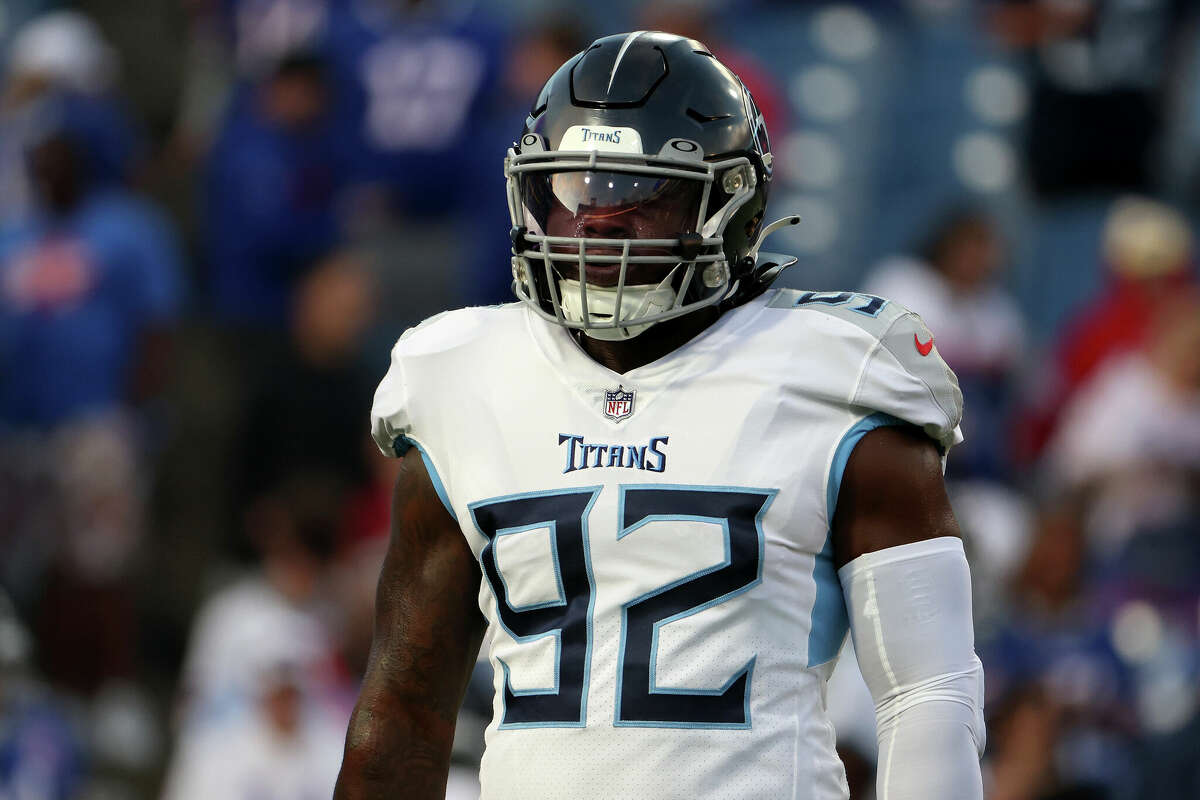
pixel 618 404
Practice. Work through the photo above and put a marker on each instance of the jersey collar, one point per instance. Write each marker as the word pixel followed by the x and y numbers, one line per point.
pixel 589 379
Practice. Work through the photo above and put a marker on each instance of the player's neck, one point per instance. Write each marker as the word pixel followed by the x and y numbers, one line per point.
pixel 629 354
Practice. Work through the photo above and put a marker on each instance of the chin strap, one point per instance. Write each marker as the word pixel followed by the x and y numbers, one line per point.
pixel 645 299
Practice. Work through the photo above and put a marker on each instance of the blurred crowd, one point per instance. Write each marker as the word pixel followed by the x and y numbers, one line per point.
pixel 217 215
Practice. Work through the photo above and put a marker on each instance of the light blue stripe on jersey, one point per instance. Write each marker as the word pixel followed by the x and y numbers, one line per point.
pixel 402 445
pixel 829 620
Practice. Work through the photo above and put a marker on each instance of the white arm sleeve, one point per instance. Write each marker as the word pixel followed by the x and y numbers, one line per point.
pixel 910 616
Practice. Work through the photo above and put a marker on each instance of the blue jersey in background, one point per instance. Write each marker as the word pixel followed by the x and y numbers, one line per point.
pixel 75 294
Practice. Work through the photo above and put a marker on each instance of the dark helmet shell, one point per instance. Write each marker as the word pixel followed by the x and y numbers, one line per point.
pixel 666 87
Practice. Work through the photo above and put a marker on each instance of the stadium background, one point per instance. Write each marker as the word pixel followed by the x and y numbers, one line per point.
pixel 215 216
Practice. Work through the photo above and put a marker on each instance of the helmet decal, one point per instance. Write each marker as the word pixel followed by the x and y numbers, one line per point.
pixel 601 137
pixel 629 39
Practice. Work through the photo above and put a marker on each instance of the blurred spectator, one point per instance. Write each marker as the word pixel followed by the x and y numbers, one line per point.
pixel 1148 253
pixel 1131 436
pixel 997 522
pixel 1097 66
pixel 271 188
pixel 416 79
pixel 417 101
pixel 276 614
pixel 60 71
pixel 88 293
pixel 85 619
pixel 1148 248
pixel 90 281
pixel 282 747
pixel 1022 737
pixel 308 402
pixel 953 282
pixel 232 45
pixel 1060 724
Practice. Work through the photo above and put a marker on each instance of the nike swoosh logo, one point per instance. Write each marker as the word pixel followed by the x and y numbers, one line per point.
pixel 923 348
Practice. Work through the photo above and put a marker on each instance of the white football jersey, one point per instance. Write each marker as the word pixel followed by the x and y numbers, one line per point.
pixel 655 546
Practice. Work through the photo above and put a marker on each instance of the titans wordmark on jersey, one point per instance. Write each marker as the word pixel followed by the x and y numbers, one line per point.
pixel 657 569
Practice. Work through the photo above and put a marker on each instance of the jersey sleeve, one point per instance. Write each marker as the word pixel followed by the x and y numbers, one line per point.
pixel 420 395
pixel 392 426
pixel 905 377
pixel 418 358
pixel 391 422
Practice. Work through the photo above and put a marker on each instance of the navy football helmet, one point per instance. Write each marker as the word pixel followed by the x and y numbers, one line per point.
pixel 638 187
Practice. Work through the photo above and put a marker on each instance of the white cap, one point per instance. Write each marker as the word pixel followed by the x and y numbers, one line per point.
pixel 67 47
pixel 1144 238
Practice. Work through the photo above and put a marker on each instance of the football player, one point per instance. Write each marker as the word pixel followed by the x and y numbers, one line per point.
pixel 661 491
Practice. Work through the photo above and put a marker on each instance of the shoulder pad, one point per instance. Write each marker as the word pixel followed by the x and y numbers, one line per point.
pixel 449 330
pixel 441 334
pixel 902 373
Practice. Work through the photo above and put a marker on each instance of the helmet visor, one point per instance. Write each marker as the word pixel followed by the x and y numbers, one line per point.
pixel 610 205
